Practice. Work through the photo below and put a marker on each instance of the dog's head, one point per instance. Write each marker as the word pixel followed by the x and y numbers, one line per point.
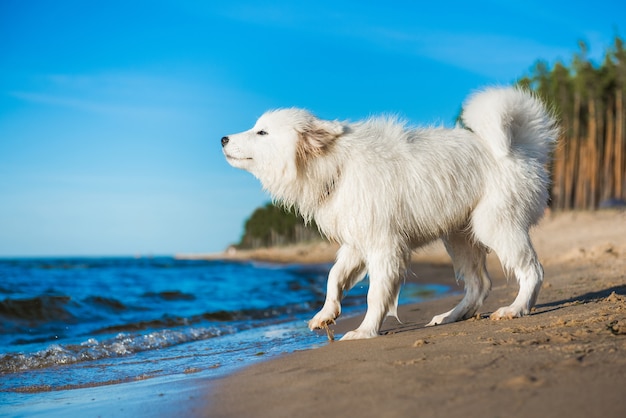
pixel 281 143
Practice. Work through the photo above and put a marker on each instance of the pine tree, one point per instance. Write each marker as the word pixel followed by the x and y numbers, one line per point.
pixel 589 162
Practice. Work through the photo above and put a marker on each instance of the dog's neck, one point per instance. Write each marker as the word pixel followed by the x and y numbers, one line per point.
pixel 329 188
pixel 312 187
pixel 315 190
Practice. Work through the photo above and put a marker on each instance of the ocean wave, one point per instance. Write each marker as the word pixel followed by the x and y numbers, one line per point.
pixel 144 335
pixel 106 303
pixel 170 295
pixel 236 316
pixel 123 344
pixel 37 309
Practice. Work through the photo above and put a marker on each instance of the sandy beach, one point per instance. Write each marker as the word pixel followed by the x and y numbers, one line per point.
pixel 567 359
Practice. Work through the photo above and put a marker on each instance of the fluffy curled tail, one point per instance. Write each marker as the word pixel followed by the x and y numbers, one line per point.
pixel 512 121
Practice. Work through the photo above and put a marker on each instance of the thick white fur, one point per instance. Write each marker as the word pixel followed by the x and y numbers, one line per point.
pixel 381 189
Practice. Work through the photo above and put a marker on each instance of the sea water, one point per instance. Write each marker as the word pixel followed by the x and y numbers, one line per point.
pixel 71 323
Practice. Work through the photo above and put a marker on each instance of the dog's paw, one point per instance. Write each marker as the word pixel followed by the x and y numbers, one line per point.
pixel 444 318
pixel 322 319
pixel 320 323
pixel 437 320
pixel 359 334
pixel 508 312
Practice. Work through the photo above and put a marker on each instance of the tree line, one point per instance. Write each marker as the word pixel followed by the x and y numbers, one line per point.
pixel 272 225
pixel 589 164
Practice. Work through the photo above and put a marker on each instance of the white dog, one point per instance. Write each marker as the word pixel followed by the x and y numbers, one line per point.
pixel 381 189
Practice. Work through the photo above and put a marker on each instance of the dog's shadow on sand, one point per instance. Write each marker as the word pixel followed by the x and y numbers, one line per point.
pixel 540 309
pixel 582 299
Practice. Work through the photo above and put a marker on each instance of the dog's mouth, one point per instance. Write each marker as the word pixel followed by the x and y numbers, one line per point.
pixel 230 157
pixel 237 161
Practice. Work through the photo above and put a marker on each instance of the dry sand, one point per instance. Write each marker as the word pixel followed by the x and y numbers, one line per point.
pixel 567 359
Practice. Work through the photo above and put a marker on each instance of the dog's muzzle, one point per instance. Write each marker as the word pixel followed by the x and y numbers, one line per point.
pixel 225 140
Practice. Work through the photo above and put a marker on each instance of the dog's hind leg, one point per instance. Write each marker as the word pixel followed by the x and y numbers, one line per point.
pixel 518 258
pixel 348 270
pixel 511 242
pixel 386 272
pixel 468 259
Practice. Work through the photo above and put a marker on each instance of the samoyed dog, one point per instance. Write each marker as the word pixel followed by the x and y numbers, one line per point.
pixel 382 189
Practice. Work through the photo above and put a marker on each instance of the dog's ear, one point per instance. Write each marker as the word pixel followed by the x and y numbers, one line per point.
pixel 317 136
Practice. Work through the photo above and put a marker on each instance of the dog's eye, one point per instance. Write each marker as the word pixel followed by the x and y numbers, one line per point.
pixel 261 132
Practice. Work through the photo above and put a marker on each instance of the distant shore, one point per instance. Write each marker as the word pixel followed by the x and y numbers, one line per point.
pixel 306 253
pixel 309 253
pixel 559 235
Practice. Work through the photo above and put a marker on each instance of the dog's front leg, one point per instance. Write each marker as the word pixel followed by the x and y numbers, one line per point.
pixel 348 270
pixel 386 272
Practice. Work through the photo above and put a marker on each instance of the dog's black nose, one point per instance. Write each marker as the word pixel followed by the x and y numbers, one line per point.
pixel 225 141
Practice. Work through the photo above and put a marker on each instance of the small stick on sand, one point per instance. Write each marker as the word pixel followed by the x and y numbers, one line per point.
pixel 329 332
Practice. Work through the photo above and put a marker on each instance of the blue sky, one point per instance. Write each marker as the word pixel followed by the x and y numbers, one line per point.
pixel 111 112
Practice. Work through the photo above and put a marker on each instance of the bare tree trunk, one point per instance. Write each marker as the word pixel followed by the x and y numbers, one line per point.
pixel 581 175
pixel 619 191
pixel 592 156
pixel 558 175
pixel 609 152
pixel 573 177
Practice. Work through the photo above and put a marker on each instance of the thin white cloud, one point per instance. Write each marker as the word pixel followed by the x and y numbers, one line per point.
pixel 493 56
pixel 131 95
pixel 499 56
pixel 490 55
pixel 93 106
pixel 103 94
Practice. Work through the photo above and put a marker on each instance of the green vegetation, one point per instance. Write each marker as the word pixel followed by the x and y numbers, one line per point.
pixel 272 225
pixel 589 165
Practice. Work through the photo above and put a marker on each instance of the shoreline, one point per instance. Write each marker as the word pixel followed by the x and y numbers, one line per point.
pixel 568 358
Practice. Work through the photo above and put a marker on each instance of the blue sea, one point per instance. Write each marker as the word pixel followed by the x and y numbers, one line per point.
pixel 71 323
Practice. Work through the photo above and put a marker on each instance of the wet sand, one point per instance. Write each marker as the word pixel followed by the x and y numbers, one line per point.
pixel 567 359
